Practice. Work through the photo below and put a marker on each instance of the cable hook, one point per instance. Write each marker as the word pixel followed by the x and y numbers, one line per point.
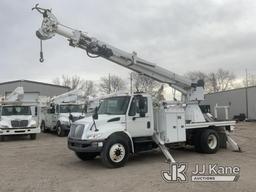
pixel 41 52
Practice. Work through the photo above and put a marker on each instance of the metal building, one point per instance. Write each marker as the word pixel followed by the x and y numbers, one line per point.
pixel 240 101
pixel 32 89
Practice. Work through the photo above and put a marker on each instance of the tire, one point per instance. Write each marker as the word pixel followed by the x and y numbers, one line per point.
pixel 43 128
pixel 60 131
pixel 209 141
pixel 86 156
pixel 32 136
pixel 115 152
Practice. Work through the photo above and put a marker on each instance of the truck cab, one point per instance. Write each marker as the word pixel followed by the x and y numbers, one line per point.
pixel 59 116
pixel 19 118
pixel 125 118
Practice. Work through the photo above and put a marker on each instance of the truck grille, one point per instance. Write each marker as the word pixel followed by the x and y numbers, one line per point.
pixel 17 123
pixel 76 131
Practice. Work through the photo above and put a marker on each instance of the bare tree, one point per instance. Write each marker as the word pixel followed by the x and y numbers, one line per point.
pixel 251 80
pixel 142 83
pixel 88 87
pixel 221 80
pixel 111 84
pixel 76 82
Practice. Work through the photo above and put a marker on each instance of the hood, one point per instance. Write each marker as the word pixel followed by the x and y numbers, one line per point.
pixel 65 116
pixel 105 125
pixel 16 117
pixel 102 119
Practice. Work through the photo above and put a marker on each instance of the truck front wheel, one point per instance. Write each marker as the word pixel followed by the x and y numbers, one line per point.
pixel 60 131
pixel 115 152
pixel 43 128
pixel 86 156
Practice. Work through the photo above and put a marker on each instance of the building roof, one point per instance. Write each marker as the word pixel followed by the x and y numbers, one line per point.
pixel 232 90
pixel 36 82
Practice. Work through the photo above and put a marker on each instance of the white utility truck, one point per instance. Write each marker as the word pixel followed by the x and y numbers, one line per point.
pixel 62 110
pixel 19 117
pixel 128 123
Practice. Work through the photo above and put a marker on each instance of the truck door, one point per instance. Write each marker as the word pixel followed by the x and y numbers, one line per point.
pixel 55 115
pixel 139 118
pixel 48 118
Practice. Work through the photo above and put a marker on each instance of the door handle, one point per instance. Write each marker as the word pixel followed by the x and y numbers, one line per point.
pixel 148 125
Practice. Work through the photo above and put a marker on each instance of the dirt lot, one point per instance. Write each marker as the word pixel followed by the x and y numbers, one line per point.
pixel 47 165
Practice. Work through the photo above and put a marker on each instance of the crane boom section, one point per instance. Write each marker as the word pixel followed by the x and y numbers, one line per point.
pixel 94 48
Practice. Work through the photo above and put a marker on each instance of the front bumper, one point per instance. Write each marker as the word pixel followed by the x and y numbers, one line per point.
pixel 19 131
pixel 85 145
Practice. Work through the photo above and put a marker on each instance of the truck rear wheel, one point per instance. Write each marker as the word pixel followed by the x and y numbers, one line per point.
pixel 115 152
pixel 209 141
pixel 86 156
pixel 60 131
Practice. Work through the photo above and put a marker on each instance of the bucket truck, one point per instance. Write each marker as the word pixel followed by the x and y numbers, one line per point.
pixel 129 123
pixel 61 111
pixel 19 117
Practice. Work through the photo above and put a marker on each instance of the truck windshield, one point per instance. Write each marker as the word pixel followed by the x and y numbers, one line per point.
pixel 16 110
pixel 71 108
pixel 114 105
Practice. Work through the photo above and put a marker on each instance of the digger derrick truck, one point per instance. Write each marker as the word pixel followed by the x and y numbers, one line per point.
pixel 128 123
pixel 61 111
pixel 19 116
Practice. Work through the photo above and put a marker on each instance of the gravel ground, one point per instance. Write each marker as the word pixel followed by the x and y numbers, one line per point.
pixel 47 165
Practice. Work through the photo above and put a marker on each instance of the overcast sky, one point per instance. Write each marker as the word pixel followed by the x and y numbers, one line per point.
pixel 180 35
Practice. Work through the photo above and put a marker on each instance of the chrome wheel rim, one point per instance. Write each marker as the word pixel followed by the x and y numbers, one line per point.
pixel 212 141
pixel 117 152
pixel 58 130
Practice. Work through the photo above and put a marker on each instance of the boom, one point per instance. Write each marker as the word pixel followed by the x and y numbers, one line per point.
pixel 96 48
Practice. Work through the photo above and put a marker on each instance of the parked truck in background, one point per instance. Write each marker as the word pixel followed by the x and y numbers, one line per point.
pixel 19 117
pixel 62 110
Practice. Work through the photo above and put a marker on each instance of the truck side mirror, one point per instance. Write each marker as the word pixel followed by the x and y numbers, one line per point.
pixel 95 114
pixel 53 110
pixel 85 108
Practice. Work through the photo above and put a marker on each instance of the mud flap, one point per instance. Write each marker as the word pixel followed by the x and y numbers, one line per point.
pixel 223 140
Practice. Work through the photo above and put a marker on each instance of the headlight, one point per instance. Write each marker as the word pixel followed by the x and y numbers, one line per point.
pixel 94 135
pixel 4 126
pixel 33 125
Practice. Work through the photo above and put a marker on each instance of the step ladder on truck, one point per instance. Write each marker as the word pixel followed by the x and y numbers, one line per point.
pixel 61 111
pixel 128 123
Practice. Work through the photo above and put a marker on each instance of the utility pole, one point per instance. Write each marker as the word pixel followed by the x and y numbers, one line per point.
pixel 246 92
pixel 109 84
